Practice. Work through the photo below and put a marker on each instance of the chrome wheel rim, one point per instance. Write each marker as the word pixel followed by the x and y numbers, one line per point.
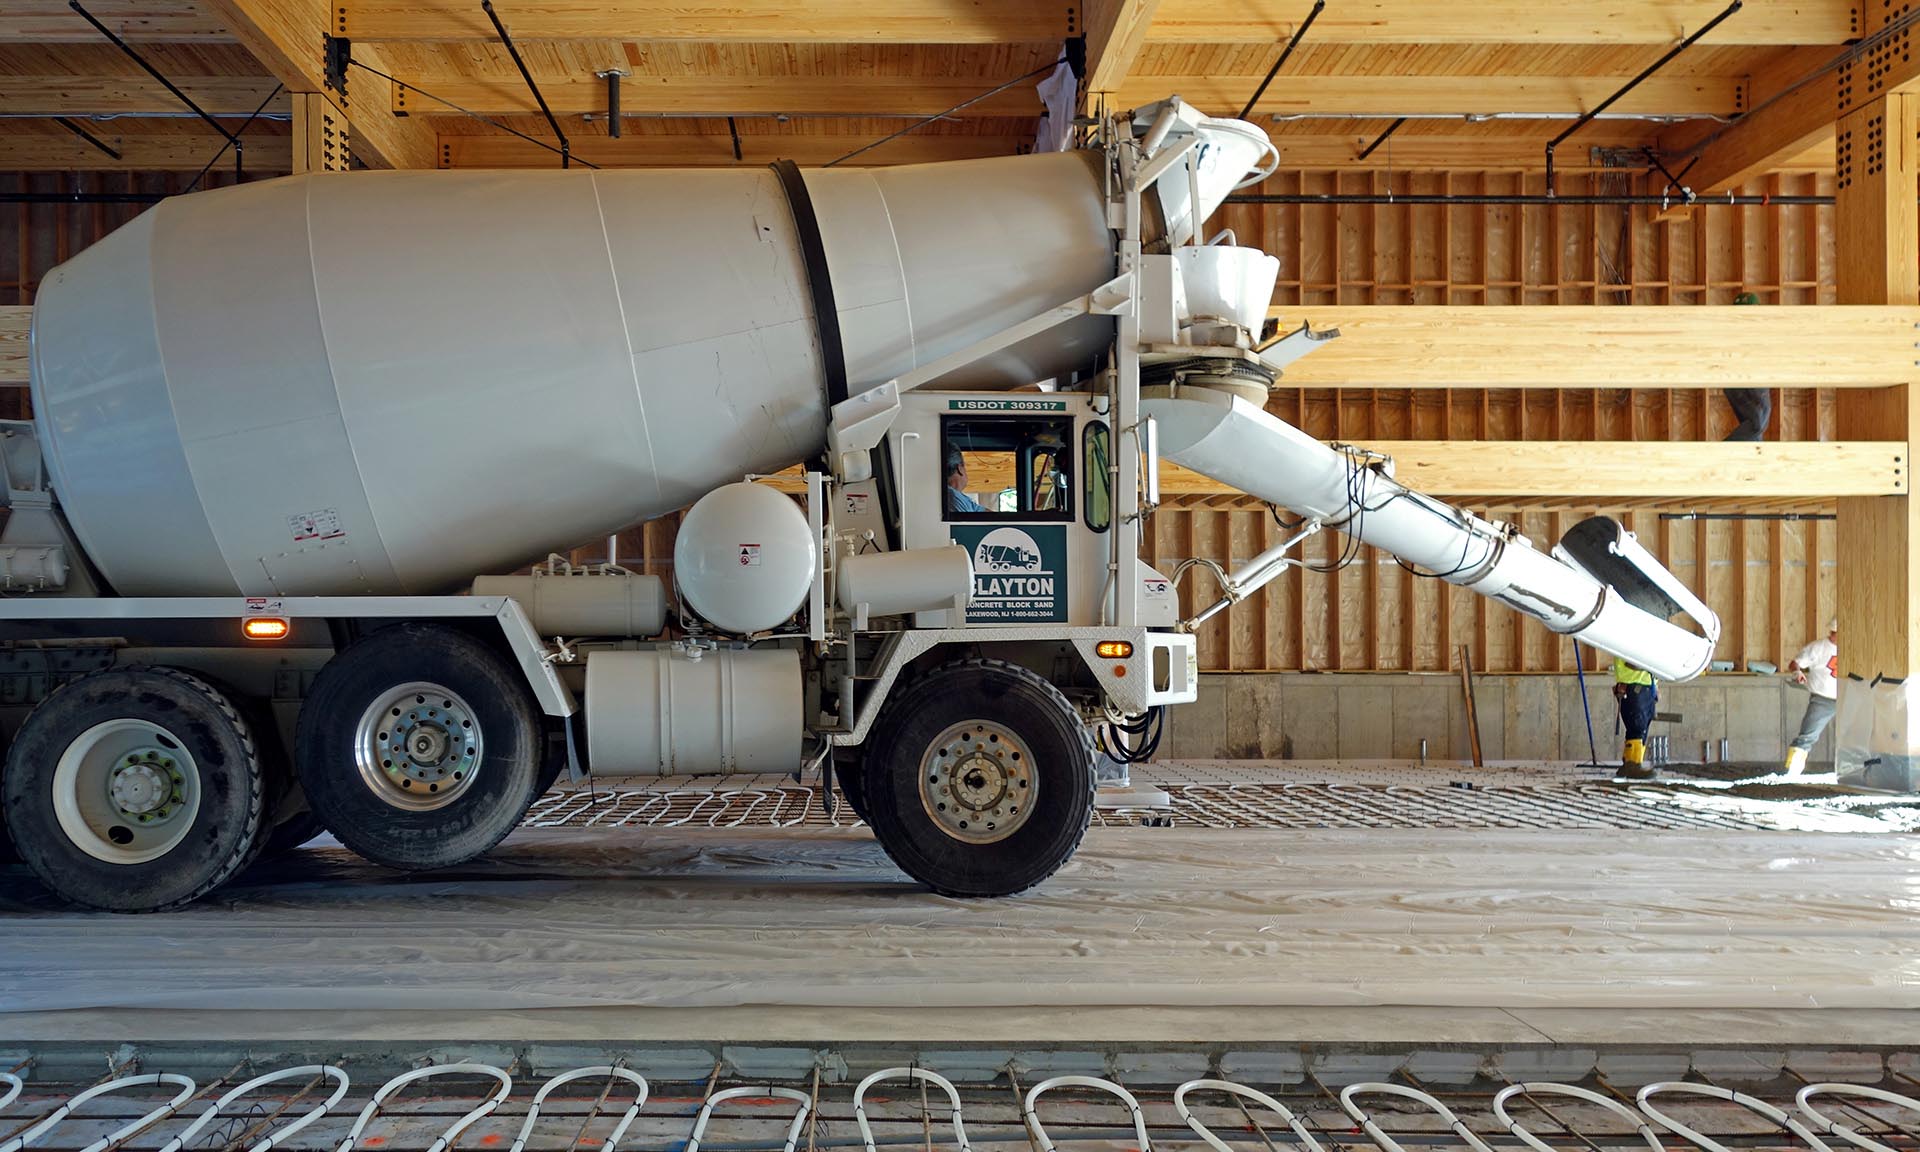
pixel 418 746
pixel 126 791
pixel 977 782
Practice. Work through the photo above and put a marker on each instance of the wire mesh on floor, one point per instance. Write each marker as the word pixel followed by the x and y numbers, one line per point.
pixel 524 1104
pixel 762 803
pixel 1249 794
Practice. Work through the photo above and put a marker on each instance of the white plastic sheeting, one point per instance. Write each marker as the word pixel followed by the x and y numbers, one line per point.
pixel 1164 917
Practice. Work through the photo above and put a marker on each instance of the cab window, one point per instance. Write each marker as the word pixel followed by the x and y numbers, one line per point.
pixel 1007 468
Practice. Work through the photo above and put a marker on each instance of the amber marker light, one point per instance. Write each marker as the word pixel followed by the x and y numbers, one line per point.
pixel 1115 649
pixel 265 628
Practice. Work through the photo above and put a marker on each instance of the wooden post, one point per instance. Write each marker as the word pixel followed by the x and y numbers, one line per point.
pixel 320 135
pixel 1878 234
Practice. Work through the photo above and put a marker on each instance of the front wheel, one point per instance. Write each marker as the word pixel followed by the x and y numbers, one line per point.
pixel 419 747
pixel 134 790
pixel 978 779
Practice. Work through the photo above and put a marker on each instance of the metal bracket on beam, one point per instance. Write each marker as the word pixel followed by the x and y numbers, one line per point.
pixel 339 58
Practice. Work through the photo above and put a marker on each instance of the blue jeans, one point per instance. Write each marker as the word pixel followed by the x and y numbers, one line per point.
pixel 1819 712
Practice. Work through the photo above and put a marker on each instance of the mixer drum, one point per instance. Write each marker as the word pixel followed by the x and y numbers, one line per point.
pixel 391 381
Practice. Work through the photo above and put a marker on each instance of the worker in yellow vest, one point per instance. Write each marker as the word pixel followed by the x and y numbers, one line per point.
pixel 1638 695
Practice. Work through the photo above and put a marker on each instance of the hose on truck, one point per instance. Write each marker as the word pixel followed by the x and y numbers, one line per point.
pixel 1131 739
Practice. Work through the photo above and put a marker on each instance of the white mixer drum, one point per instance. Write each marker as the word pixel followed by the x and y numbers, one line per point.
pixel 745 558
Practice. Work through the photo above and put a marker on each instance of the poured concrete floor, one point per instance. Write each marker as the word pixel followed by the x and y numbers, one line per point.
pixel 1509 936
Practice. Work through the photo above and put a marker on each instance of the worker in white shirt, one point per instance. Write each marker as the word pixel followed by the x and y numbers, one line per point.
pixel 1818 667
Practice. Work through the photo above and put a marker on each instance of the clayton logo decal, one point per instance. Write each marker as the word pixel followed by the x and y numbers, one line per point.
pixel 1018 573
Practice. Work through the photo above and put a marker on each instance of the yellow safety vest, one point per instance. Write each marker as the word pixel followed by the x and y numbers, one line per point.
pixel 1625 673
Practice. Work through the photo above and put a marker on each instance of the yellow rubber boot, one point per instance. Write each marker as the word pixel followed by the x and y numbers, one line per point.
pixel 1633 760
pixel 1796 761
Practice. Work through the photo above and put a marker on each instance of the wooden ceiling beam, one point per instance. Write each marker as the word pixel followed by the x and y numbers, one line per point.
pixel 139 21
pixel 788 21
pixel 1116 30
pixel 1407 95
pixel 716 95
pixel 1408 150
pixel 1586 473
pixel 679 151
pixel 1570 469
pixel 289 37
pixel 107 95
pixel 1588 346
pixel 1761 22
pixel 1793 110
pixel 171 152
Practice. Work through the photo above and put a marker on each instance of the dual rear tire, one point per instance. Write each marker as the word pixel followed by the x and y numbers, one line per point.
pixel 419 748
pixel 134 790
pixel 142 789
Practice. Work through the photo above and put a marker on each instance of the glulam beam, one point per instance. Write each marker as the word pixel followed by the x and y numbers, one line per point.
pixel 289 37
pixel 1587 346
pixel 716 95
pixel 703 151
pixel 788 21
pixel 1662 22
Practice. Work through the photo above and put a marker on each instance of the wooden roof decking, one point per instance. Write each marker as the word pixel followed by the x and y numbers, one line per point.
pixel 846 68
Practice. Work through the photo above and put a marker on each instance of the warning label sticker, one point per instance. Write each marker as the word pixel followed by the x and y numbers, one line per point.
pixel 321 525
pixel 749 555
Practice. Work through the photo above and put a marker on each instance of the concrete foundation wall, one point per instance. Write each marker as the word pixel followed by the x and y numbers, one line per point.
pixel 1384 716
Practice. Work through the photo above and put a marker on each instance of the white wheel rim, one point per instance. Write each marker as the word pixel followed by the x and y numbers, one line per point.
pixel 977 782
pixel 126 791
pixel 418 746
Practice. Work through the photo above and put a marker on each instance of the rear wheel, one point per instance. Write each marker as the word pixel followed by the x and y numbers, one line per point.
pixel 134 790
pixel 978 779
pixel 419 747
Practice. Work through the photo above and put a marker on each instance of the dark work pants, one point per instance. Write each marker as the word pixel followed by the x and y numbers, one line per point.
pixel 1637 708
pixel 1754 409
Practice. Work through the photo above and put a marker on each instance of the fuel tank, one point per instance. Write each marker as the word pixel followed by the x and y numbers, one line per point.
pixel 389 382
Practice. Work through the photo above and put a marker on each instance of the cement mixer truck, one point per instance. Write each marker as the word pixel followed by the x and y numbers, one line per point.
pixel 274 537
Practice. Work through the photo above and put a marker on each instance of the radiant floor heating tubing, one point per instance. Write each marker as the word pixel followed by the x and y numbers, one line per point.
pixel 910 1106
pixel 1212 805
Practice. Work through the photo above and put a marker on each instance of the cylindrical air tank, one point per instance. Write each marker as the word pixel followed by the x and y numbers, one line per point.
pixel 391 381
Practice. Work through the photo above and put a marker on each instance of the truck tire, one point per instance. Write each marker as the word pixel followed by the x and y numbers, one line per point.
pixel 419 747
pixel 978 779
pixel 134 790
pixel 850 777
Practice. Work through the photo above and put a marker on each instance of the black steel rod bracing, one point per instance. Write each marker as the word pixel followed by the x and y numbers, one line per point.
pixel 733 130
pixel 566 146
pixel 1588 117
pixel 86 135
pixel 1381 139
pixel 239 156
pixel 922 123
pixel 1516 198
pixel 613 104
pixel 468 112
pixel 1292 43
pixel 150 70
